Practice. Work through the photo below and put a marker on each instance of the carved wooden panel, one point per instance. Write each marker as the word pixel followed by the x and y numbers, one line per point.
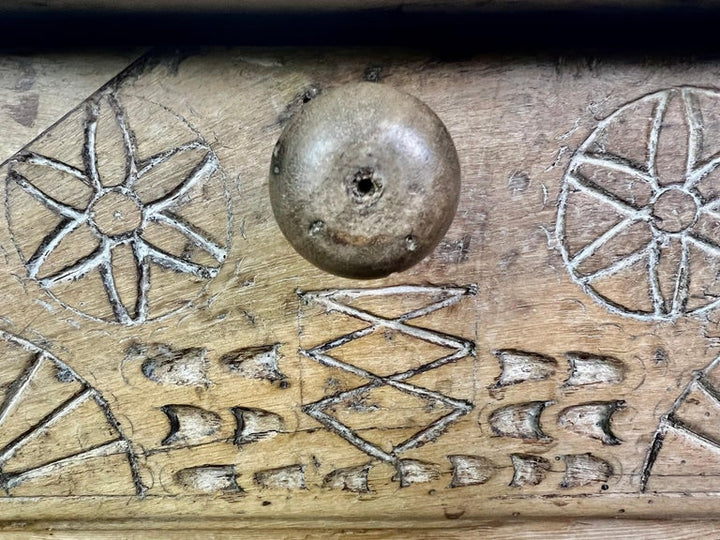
pixel 166 355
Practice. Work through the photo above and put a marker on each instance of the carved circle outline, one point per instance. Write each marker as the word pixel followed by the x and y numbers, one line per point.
pixel 121 445
pixel 688 186
pixel 216 173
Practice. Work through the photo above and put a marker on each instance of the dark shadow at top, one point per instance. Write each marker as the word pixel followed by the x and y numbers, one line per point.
pixel 618 31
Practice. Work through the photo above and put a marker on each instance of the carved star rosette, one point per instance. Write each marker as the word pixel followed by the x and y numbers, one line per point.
pixel 639 212
pixel 119 211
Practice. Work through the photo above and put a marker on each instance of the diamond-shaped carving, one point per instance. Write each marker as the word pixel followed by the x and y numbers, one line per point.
pixel 447 409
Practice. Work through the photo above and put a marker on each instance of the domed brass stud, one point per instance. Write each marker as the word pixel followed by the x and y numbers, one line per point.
pixel 364 181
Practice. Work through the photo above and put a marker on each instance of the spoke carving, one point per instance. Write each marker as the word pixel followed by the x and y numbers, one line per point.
pixel 672 214
pixel 121 202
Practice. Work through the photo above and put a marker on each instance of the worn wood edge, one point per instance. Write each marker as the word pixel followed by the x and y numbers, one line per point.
pixel 37 110
pixel 531 526
pixel 538 529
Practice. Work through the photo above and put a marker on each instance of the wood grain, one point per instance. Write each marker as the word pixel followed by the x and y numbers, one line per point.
pixel 168 357
pixel 522 529
pixel 37 90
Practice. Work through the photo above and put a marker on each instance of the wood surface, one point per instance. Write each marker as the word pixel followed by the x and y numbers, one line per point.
pixel 37 90
pixel 167 356
pixel 565 530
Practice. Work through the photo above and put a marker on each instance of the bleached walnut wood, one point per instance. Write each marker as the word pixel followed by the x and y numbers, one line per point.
pixel 37 90
pixel 167 356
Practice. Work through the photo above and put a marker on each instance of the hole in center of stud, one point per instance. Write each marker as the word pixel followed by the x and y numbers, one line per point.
pixel 365 186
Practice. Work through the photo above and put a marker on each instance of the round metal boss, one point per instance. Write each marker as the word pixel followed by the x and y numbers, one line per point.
pixel 364 181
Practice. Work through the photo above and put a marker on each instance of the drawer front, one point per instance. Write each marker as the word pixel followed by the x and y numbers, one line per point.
pixel 169 356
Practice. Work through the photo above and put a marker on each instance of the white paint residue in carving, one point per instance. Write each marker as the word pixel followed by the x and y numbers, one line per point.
pixel 588 369
pixel 520 366
pixel 19 386
pixel 291 478
pixel 255 424
pixel 255 362
pixel 354 479
pixel 528 470
pixel 470 470
pixel 209 479
pixel 413 471
pixel 79 458
pixel 583 469
pixel 520 420
pixel 190 424
pixel 104 450
pixel 592 420
pixel 672 216
pixel 670 422
pixel 119 228
pixel 40 428
pixel 164 365
pixel 437 298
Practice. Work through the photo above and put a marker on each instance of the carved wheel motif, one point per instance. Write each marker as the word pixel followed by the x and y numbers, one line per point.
pixel 57 433
pixel 639 213
pixel 683 454
pixel 110 224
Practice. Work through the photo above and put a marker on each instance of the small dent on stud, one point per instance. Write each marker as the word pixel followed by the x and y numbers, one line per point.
pixel 316 227
pixel 410 243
